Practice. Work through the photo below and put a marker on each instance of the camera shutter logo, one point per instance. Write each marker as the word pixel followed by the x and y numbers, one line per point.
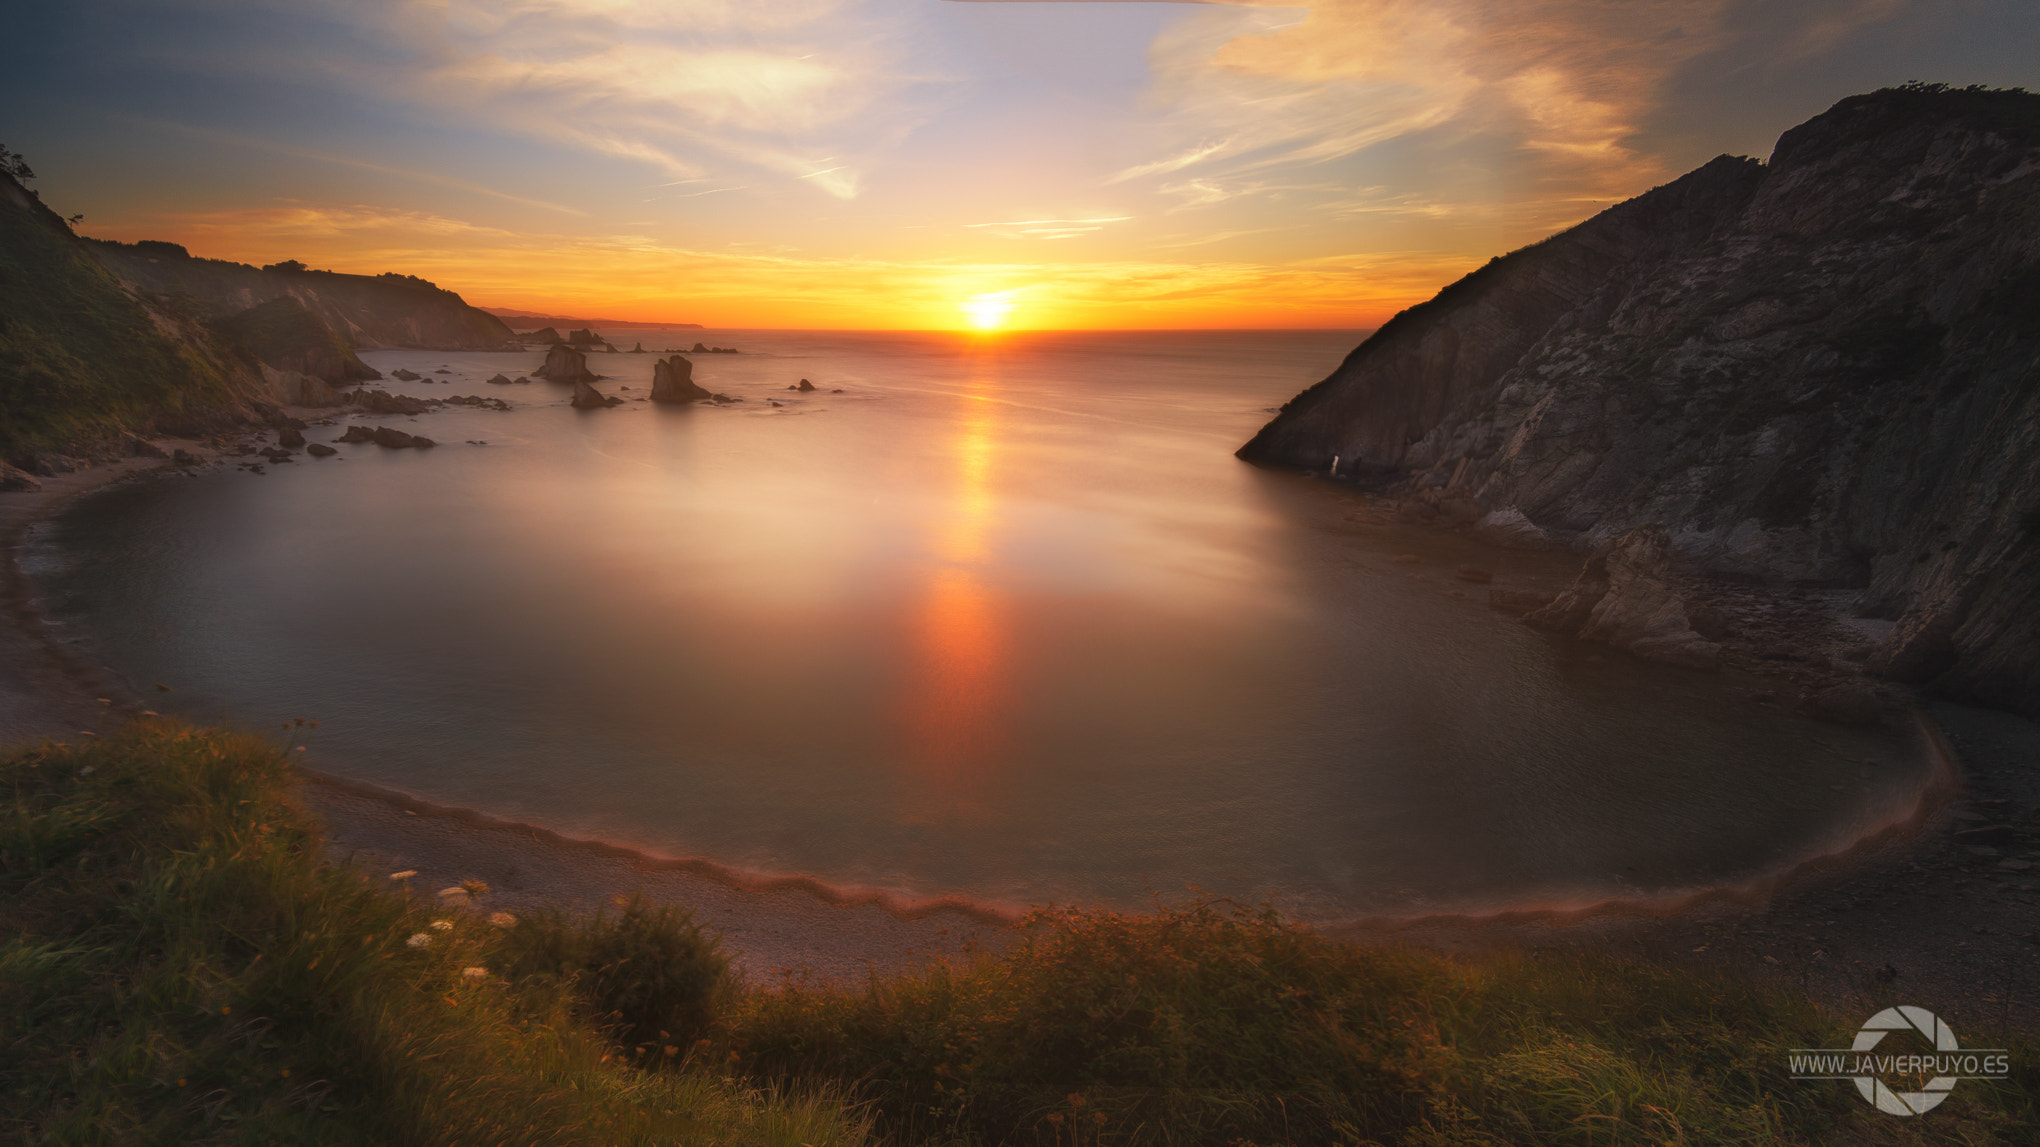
pixel 1905 1017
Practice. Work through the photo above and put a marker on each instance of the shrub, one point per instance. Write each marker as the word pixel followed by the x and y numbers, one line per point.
pixel 650 974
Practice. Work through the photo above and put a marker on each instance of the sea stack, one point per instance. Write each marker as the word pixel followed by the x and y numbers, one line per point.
pixel 673 381
pixel 588 398
pixel 565 364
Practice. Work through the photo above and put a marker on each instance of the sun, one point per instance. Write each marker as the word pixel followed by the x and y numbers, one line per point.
pixel 988 311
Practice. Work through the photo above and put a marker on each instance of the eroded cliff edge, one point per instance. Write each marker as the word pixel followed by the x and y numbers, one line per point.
pixel 1824 369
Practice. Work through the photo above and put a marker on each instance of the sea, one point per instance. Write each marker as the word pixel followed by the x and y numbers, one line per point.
pixel 996 617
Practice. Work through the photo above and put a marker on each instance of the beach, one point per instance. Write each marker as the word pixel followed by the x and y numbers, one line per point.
pixel 1918 915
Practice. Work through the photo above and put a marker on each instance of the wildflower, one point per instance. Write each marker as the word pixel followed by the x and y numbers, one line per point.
pixel 475 887
pixel 502 920
pixel 442 925
pixel 419 940
pixel 475 973
pixel 406 874
pixel 456 890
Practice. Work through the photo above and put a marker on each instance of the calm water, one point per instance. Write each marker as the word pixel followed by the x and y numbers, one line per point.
pixel 1003 619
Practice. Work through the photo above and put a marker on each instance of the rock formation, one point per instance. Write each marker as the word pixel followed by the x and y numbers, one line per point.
pixel 565 364
pixel 405 375
pixel 804 385
pixel 1624 598
pixel 587 397
pixel 499 379
pixel 673 381
pixel 383 402
pixel 541 335
pixel 638 349
pixel 296 388
pixel 1822 370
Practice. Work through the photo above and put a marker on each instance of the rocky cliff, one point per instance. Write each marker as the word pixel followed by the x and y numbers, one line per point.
pixel 367 310
pixel 85 364
pixel 1822 369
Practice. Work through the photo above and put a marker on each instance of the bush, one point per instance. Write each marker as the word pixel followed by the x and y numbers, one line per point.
pixel 650 974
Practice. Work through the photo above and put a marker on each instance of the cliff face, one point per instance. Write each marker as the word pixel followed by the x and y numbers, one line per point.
pixel 367 310
pixel 84 363
pixel 1821 369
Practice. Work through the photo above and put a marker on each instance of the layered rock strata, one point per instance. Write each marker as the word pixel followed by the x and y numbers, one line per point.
pixel 1823 370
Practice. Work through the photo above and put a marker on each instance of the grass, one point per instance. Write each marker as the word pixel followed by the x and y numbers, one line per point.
pixel 179 965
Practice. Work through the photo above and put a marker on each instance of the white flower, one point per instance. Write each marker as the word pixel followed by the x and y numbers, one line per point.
pixel 419 940
pixel 442 925
pixel 475 973
pixel 406 874
pixel 502 920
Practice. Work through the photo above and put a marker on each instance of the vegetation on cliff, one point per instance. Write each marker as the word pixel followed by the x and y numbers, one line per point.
pixel 178 963
pixel 81 360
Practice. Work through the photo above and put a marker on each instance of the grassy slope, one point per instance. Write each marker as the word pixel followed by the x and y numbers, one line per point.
pixel 178 965
pixel 79 358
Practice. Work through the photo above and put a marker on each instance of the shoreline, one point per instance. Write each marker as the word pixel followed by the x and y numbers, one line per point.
pixel 1908 913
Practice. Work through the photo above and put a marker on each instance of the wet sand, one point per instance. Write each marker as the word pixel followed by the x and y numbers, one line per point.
pixel 1937 912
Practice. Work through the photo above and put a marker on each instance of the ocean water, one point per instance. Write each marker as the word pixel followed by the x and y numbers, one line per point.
pixel 990 617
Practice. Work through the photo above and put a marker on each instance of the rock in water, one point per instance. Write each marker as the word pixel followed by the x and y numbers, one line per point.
pixel 673 381
pixel 291 438
pixel 396 439
pixel 805 385
pixel 405 375
pixel 1817 369
pixel 357 433
pixel 638 349
pixel 587 397
pixel 498 380
pixel 565 364
pixel 383 402
pixel 320 450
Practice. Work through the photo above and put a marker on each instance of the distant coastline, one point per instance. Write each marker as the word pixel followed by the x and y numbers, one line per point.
pixel 526 320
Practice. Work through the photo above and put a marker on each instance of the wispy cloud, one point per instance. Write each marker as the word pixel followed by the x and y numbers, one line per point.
pixel 1048 228
pixel 256 143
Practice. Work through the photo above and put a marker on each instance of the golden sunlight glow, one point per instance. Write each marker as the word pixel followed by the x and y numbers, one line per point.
pixel 988 311
pixel 957 698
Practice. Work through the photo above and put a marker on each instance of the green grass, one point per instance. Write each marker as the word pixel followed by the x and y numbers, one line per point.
pixel 178 965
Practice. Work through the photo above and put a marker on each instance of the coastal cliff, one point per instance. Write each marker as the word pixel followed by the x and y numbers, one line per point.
pixel 85 364
pixel 1820 370
pixel 368 311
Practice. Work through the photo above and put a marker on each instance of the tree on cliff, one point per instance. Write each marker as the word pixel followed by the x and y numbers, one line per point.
pixel 15 165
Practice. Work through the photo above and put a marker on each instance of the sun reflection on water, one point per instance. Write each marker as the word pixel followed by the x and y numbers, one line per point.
pixel 956 699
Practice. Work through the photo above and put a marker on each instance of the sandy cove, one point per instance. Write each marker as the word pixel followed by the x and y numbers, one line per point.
pixel 1912 915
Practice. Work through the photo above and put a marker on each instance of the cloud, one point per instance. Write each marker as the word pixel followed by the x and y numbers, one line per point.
pixel 813 92
pixel 1048 228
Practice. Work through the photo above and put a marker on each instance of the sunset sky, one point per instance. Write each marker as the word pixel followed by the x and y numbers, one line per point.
pixel 884 163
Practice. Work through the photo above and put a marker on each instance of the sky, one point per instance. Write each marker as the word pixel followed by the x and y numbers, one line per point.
pixel 917 164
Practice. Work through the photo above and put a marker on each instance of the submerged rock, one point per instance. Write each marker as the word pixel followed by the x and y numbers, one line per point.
pixel 320 450
pixel 405 375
